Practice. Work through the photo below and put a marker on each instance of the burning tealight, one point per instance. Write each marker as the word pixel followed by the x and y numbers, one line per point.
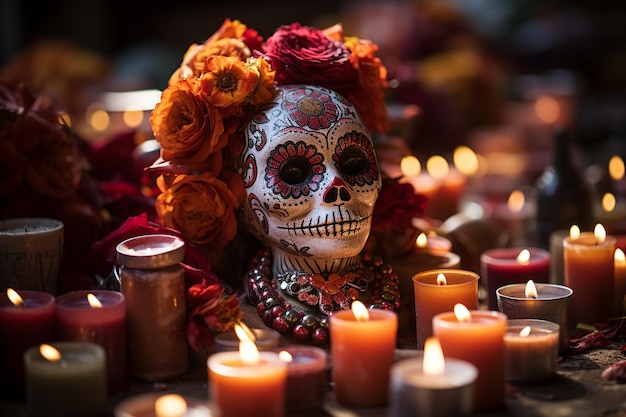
pixel 531 350
pixel 307 368
pixel 55 373
pixel 162 405
pixel 430 385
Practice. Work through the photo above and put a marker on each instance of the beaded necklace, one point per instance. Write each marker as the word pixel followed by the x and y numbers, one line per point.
pixel 329 293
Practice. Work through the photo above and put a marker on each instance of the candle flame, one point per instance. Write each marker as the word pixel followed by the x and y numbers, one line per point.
pixel 620 258
pixel 547 109
pixel 465 160
pixel 616 168
pixel 243 332
pixel 461 313
pixel 434 363
pixel 599 233
pixel 608 202
pixel 516 201
pixel 50 353
pixel 14 297
pixel 93 301
pixel 410 166
pixel 285 356
pixel 525 331
pixel 170 405
pixel 531 289
pixel 437 167
pixel 524 257
pixel 441 279
pixel 248 352
pixel 421 241
pixel 574 232
pixel 360 311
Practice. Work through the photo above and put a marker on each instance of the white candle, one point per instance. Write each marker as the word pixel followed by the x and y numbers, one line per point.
pixel 531 350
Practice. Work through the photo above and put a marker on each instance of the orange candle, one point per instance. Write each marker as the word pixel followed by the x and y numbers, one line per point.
pixel 589 272
pixel 620 282
pixel 247 383
pixel 362 345
pixel 437 291
pixel 477 337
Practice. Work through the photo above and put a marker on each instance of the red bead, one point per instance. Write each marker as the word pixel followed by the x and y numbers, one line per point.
pixel 301 333
pixel 320 336
pixel 280 325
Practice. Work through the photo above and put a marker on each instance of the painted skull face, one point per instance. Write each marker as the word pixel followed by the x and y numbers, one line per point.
pixel 310 173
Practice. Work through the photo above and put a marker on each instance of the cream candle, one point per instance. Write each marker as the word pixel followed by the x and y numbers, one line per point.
pixel 437 291
pixel 162 405
pixel 538 301
pixel 502 266
pixel 153 283
pixel 247 383
pixel 362 345
pixel 589 272
pixel 26 320
pixel 430 385
pixel 556 252
pixel 307 368
pixel 477 337
pixel 531 350
pixel 97 316
pixel 67 379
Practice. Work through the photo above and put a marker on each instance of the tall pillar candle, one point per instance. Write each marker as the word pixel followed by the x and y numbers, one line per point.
pixel 66 379
pixel 549 302
pixel 589 272
pixel 437 291
pixel 502 266
pixel 362 350
pixel 26 319
pixel 556 256
pixel 97 316
pixel 153 283
pixel 476 337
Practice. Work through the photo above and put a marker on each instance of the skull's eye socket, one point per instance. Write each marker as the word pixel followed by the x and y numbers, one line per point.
pixel 354 161
pixel 295 170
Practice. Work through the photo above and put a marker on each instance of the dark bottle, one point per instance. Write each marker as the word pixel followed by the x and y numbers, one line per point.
pixel 563 196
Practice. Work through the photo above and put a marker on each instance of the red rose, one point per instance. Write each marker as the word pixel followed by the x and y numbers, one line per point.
pixel 397 204
pixel 305 55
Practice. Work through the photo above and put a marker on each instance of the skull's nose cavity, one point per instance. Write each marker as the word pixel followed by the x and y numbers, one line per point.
pixel 337 192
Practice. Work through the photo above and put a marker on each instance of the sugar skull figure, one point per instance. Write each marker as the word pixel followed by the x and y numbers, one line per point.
pixel 311 179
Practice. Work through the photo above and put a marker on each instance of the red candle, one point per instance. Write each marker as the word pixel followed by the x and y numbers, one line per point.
pixel 589 271
pixel 477 337
pixel 307 379
pixel 99 317
pixel 362 348
pixel 26 320
pixel 437 291
pixel 505 266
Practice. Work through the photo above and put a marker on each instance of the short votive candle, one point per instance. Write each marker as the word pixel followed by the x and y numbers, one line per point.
pixel 531 350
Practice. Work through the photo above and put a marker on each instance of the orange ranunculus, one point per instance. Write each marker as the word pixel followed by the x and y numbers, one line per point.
pixel 229 29
pixel 187 128
pixel 227 81
pixel 265 89
pixel 201 207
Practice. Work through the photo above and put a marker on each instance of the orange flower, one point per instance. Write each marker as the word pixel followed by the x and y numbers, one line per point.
pixel 187 128
pixel 227 81
pixel 201 207
pixel 265 89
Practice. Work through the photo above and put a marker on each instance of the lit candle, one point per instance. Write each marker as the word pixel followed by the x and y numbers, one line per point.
pixel 502 266
pixel 162 405
pixel 362 345
pixel 153 283
pixel 538 301
pixel 589 272
pixel 26 319
pixel 556 252
pixel 67 379
pixel 531 350
pixel 248 382
pixel 620 282
pixel 437 291
pixel 430 385
pixel 476 336
pixel 307 368
pixel 97 316
pixel 265 339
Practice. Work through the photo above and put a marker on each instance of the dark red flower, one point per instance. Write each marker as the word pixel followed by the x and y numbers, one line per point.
pixel 396 206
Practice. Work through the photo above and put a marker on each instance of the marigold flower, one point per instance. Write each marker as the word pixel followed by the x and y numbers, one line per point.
pixel 227 81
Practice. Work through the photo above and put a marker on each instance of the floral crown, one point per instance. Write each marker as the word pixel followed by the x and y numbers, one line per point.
pixel 211 96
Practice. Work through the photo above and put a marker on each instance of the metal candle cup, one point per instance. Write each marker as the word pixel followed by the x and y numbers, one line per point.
pixel 552 304
pixel 414 394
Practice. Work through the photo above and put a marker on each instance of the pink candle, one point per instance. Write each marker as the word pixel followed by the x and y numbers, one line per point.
pixel 505 266
pixel 79 317
pixel 589 272
pixel 23 324
pixel 476 337
pixel 362 348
